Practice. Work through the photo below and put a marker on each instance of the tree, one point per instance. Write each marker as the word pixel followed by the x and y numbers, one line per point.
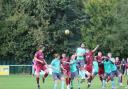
pixel 108 25
pixel 25 24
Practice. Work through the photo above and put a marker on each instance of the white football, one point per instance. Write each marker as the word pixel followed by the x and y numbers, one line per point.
pixel 67 32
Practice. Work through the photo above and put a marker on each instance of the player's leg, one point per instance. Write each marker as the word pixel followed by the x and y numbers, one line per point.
pixel 72 78
pixel 127 79
pixel 87 76
pixel 102 77
pixel 55 84
pixel 119 75
pixel 46 71
pixel 101 73
pixel 69 77
pixel 37 76
pixel 127 83
pixel 89 82
pixel 82 69
pixel 55 78
pixel 78 83
pixel 33 69
pixel 65 77
pixel 112 75
pixel 77 79
pixel 89 79
pixel 62 81
pixel 104 81
pixel 94 74
pixel 67 82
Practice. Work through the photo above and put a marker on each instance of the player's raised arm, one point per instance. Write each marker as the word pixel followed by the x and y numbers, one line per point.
pixel 95 48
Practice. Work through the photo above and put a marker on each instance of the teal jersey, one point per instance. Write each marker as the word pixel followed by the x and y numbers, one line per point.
pixel 56 66
pixel 113 66
pixel 95 66
pixel 107 66
pixel 73 65
pixel 80 51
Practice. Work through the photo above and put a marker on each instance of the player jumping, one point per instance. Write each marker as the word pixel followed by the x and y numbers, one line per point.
pixel 89 63
pixel 80 52
pixel 40 65
pixel 66 69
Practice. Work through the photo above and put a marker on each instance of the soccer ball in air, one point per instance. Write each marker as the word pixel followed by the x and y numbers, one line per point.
pixel 67 32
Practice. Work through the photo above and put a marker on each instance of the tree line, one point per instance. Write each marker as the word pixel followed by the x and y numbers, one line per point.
pixel 25 24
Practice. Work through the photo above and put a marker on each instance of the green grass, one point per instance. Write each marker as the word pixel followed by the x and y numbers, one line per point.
pixel 29 82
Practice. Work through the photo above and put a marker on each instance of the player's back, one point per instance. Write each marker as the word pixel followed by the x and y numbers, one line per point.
pixel 107 66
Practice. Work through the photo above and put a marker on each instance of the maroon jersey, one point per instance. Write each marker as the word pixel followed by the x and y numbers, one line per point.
pixel 89 58
pixel 118 64
pixel 99 59
pixel 100 64
pixel 64 64
pixel 39 55
pixel 126 65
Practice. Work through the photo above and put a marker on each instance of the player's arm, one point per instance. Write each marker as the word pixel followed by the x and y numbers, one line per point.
pixel 111 61
pixel 66 62
pixel 62 67
pixel 105 57
pixel 95 48
pixel 36 59
pixel 53 67
pixel 45 61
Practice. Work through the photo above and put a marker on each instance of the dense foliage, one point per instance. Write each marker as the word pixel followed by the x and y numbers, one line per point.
pixel 108 27
pixel 25 24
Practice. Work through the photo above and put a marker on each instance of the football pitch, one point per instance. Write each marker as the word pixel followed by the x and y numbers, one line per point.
pixel 29 82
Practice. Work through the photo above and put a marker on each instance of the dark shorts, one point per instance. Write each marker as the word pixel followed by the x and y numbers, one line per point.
pixel 80 63
pixel 56 76
pixel 106 75
pixel 116 73
pixel 74 74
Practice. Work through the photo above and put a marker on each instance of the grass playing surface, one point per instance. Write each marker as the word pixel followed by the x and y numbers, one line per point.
pixel 29 82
